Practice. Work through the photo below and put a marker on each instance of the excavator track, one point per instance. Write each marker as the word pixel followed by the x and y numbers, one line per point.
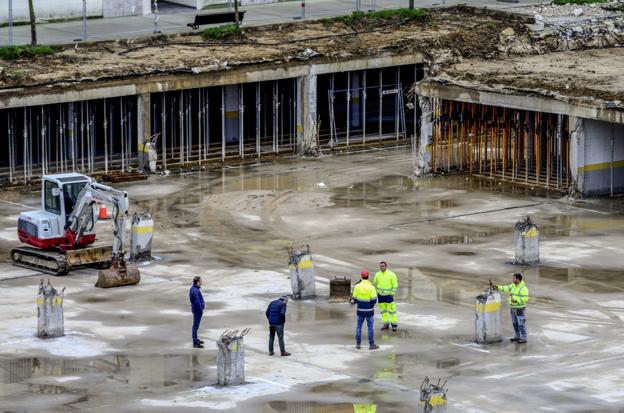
pixel 49 262
pixel 60 263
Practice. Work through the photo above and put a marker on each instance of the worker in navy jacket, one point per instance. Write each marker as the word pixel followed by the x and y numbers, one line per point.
pixel 197 307
pixel 276 314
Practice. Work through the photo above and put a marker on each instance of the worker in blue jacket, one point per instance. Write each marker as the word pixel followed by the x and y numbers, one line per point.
pixel 276 314
pixel 197 307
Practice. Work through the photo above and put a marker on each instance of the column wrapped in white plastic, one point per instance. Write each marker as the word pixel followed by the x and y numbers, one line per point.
pixel 302 278
pixel 231 358
pixel 50 322
pixel 488 317
pixel 526 236
pixel 141 240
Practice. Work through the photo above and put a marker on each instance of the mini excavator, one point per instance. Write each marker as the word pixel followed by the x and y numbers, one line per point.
pixel 61 234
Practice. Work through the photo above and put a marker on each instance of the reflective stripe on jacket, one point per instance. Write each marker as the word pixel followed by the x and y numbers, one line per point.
pixel 365 296
pixel 386 282
pixel 520 292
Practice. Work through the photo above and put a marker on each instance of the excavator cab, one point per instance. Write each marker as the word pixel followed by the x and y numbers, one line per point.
pixel 45 229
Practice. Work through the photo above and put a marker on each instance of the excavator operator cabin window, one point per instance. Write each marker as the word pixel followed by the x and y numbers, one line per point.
pixel 70 195
pixel 52 197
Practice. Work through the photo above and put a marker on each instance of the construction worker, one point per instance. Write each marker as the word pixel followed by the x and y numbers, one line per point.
pixel 365 296
pixel 386 283
pixel 276 314
pixel 518 297
pixel 197 307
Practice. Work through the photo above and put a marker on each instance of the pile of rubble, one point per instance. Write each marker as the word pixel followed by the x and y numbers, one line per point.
pixel 559 28
pixel 578 20
pixel 597 11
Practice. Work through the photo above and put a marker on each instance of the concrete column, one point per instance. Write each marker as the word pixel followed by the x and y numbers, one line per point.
pixel 144 125
pixel 306 115
pixel 423 156
pixel 71 133
pixel 356 102
pixel 577 154
pixel 232 113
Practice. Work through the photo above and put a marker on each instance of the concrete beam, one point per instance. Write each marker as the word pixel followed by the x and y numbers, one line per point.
pixel 23 99
pixel 200 78
pixel 530 102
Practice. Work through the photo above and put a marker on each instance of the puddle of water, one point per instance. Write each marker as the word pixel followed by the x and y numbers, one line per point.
pixel 320 407
pixel 446 240
pixel 47 375
pixel 463 253
pixel 442 204
pixel 595 280
pixel 366 251
pixel 434 285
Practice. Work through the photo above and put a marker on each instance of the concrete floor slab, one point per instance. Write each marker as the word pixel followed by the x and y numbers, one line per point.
pixel 128 349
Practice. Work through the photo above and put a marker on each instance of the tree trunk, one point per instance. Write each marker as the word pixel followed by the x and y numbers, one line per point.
pixel 33 24
pixel 236 19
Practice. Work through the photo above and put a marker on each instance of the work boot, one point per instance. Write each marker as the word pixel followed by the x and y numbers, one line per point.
pixel 271 353
pixel 198 345
pixel 373 347
pixel 514 339
pixel 394 328
pixel 385 327
pixel 284 354
pixel 521 341
pixel 358 346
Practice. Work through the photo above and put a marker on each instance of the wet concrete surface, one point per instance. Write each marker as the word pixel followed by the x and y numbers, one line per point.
pixel 128 349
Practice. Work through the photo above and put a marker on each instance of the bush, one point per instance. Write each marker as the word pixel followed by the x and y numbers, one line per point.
pixel 17 52
pixel 405 14
pixel 219 32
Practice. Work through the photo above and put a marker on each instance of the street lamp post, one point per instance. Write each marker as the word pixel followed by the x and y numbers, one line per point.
pixel 84 20
pixel 10 22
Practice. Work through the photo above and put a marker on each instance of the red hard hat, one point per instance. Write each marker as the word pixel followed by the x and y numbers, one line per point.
pixel 364 273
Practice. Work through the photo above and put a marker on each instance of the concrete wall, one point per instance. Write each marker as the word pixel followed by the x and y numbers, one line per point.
pixel 65 9
pixel 196 4
pixel 204 3
pixel 118 8
pixel 598 175
pixel 49 9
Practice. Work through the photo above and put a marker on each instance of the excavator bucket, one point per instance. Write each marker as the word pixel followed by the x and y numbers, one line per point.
pixel 118 275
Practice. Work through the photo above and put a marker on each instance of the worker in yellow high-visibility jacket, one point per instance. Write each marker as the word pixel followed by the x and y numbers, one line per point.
pixel 386 283
pixel 518 297
pixel 365 296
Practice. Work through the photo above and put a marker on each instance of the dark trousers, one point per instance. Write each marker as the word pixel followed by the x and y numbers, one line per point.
pixel 279 329
pixel 358 329
pixel 197 316
pixel 518 319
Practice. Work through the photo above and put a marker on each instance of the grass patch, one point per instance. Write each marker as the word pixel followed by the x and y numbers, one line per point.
pixel 219 32
pixel 578 2
pixel 381 15
pixel 18 52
